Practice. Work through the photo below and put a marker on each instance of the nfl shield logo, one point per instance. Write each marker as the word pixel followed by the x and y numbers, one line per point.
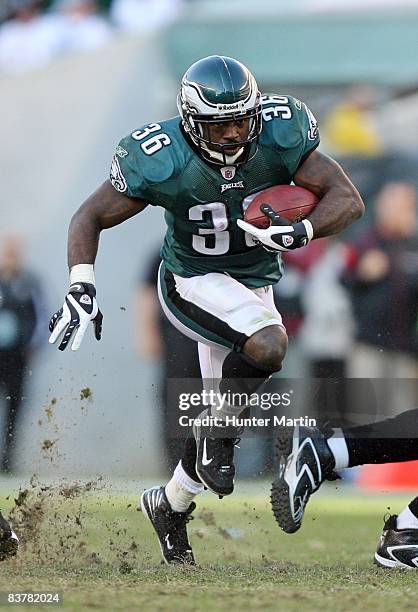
pixel 228 172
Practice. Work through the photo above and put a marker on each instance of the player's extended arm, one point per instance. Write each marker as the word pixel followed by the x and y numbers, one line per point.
pixel 105 208
pixel 340 202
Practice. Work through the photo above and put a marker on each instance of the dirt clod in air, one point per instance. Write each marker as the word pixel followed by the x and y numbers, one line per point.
pixel 75 489
pixel 207 517
pixel 48 444
pixel 86 393
pixel 50 523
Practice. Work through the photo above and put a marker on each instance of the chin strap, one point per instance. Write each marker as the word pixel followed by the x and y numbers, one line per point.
pixel 227 160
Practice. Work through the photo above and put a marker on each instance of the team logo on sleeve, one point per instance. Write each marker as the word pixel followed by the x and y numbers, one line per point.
pixel 116 177
pixel 313 124
pixel 121 152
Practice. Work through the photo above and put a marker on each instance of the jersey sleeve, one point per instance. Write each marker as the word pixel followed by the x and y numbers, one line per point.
pixel 309 128
pixel 126 172
pixel 144 164
pixel 291 128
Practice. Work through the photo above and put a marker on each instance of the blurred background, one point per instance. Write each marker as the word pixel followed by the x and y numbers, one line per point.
pixel 76 76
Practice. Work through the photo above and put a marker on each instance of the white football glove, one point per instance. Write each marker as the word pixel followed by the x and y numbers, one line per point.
pixel 80 307
pixel 281 235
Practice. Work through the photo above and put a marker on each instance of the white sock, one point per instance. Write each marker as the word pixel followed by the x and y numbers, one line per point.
pixel 181 489
pixel 407 520
pixel 339 449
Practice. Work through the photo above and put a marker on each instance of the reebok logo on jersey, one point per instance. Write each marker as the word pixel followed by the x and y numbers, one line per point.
pixel 237 185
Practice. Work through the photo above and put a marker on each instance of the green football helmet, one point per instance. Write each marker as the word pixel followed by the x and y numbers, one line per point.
pixel 219 89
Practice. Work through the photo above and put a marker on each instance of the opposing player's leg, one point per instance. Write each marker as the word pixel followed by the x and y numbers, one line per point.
pixel 304 460
pixel 307 457
pixel 8 540
pixel 398 544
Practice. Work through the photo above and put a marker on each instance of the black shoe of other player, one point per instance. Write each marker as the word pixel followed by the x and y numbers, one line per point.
pixel 8 540
pixel 215 455
pixel 304 462
pixel 397 548
pixel 169 526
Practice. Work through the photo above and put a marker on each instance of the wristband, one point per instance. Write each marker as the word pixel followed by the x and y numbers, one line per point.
pixel 82 273
pixel 309 229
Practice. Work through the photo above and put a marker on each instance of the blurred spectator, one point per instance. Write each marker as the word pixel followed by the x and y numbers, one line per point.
pixel 22 327
pixel 29 40
pixel 288 292
pixel 159 340
pixel 383 282
pixel 144 15
pixel 323 325
pixel 349 128
pixel 327 332
pixel 385 278
pixel 7 9
pixel 82 25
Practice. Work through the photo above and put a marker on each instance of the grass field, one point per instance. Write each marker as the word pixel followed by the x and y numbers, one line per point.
pixel 89 542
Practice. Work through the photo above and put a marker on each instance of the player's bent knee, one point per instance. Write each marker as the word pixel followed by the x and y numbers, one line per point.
pixel 267 347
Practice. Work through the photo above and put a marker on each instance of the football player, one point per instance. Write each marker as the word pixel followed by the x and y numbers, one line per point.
pixel 8 540
pixel 308 456
pixel 228 143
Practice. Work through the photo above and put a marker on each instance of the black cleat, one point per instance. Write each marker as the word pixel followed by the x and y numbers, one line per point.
pixel 304 462
pixel 397 548
pixel 215 455
pixel 169 526
pixel 8 540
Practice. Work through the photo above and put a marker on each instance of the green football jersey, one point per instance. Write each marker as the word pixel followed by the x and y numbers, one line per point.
pixel 202 202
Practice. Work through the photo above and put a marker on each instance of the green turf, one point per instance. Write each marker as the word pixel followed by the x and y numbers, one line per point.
pixel 97 549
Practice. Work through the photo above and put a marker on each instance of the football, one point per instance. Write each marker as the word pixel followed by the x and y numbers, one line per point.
pixel 292 202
